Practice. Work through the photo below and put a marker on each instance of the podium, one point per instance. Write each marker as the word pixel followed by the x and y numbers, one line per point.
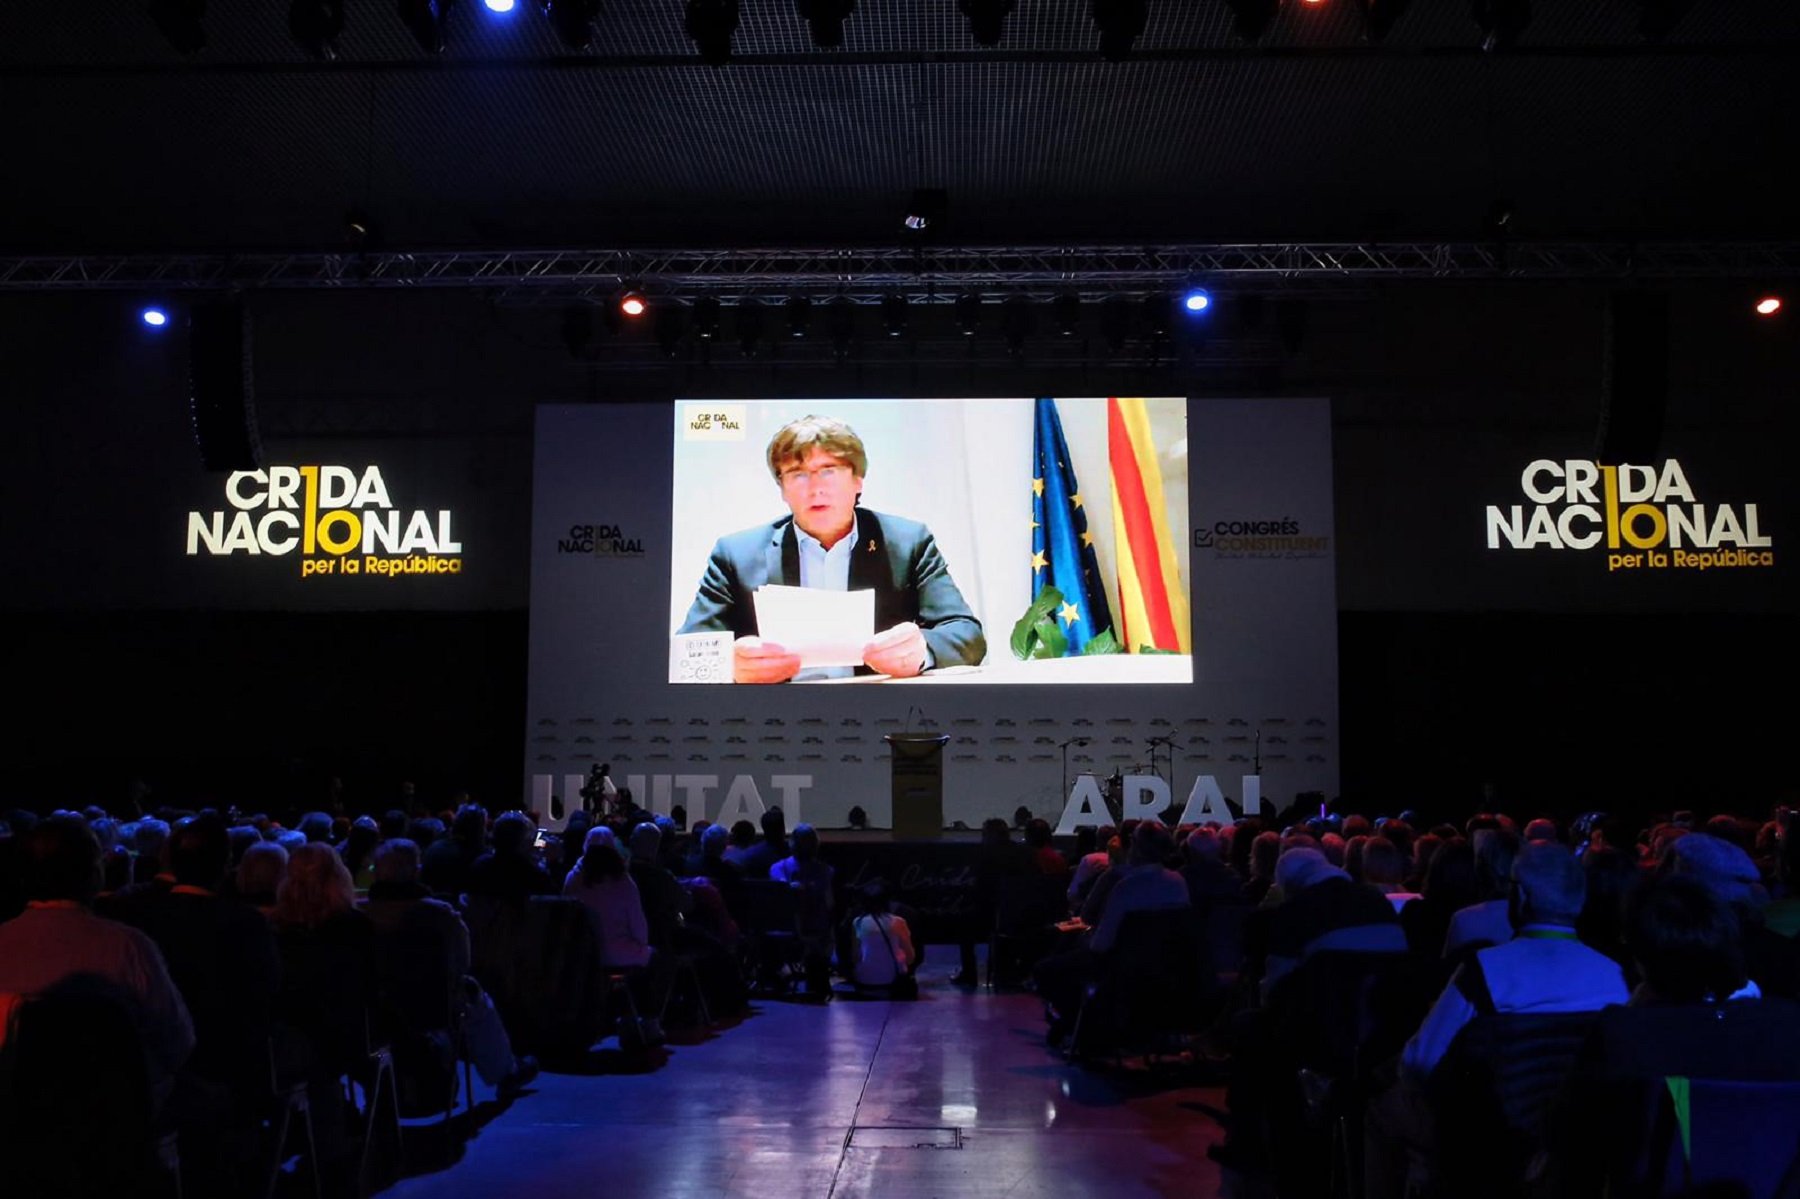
pixel 918 765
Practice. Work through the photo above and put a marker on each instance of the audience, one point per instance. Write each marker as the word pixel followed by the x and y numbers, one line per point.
pixel 226 937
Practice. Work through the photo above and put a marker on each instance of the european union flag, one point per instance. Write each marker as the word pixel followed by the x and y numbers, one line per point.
pixel 1062 549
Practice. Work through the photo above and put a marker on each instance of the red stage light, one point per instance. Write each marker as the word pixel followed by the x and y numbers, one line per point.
pixel 632 304
pixel 1768 306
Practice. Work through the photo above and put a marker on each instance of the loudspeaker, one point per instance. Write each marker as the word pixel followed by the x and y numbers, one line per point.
pixel 221 388
pixel 1634 385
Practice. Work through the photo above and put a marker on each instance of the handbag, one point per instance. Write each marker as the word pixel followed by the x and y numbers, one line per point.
pixel 904 986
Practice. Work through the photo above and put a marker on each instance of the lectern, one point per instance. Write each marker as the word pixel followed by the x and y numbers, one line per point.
pixel 918 762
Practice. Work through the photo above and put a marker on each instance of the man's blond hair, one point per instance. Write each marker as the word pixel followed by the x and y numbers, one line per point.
pixel 798 438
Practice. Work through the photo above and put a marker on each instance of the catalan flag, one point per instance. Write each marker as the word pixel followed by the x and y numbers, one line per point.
pixel 1062 549
pixel 1152 605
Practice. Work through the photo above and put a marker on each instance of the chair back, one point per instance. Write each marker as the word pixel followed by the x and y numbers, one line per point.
pixel 540 962
pixel 770 907
pixel 1159 972
pixel 1710 1136
pixel 1494 1090
pixel 1335 1010
pixel 1225 921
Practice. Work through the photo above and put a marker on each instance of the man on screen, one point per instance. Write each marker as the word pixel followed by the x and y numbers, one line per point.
pixel 829 541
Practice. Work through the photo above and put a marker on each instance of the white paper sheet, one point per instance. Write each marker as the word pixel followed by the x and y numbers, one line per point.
pixel 826 628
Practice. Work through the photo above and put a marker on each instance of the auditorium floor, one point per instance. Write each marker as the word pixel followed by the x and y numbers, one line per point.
pixel 802 1100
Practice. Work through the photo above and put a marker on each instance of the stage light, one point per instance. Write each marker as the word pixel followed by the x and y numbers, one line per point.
pixel 633 304
pixel 1501 22
pixel 1017 322
pixel 711 24
pixel 840 322
pixel 1379 16
pixel 424 19
pixel 1066 310
pixel 499 6
pixel 826 20
pixel 1119 22
pixel 1253 17
pixel 968 314
pixel 179 23
pixel 748 324
pixel 1196 301
pixel 573 22
pixel 706 317
pixel 154 317
pixel 926 209
pixel 1768 305
pixel 894 315
pixel 799 315
pixel 1115 323
pixel 315 26
pixel 987 19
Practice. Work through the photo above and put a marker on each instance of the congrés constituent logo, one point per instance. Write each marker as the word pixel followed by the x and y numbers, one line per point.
pixel 1646 517
pixel 601 540
pixel 1279 538
pixel 339 520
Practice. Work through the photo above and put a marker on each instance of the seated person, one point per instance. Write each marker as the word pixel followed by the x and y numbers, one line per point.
pixel 508 871
pixel 601 881
pixel 412 928
pixel 1544 968
pixel 58 939
pixel 811 878
pixel 884 948
pixel 1696 1014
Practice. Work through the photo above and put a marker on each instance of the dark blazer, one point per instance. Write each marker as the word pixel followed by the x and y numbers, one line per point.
pixel 896 558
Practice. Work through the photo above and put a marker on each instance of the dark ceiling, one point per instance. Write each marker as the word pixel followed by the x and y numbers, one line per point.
pixel 114 141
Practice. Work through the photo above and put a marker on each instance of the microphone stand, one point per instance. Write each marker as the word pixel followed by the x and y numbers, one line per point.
pixel 1064 746
pixel 1168 743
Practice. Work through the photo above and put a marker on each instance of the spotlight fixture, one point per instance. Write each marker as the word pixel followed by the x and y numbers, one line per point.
pixel 1768 305
pixel 826 20
pixel 315 26
pixel 799 315
pixel 987 19
pixel 633 304
pixel 1157 311
pixel 748 325
pixel 1017 323
pixel 711 23
pixel 893 315
pixel 706 317
pixel 1501 22
pixel 1253 17
pixel 1379 16
pixel 179 23
pixel 1196 300
pixel 1115 323
pixel 1066 310
pixel 499 6
pixel 1119 22
pixel 573 22
pixel 158 318
pixel 840 322
pixel 925 210
pixel 424 19
pixel 968 314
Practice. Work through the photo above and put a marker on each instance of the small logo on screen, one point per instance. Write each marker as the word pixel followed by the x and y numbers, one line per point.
pixel 712 422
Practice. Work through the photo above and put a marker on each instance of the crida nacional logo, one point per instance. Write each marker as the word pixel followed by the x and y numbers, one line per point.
pixel 1641 517
pixel 601 540
pixel 336 520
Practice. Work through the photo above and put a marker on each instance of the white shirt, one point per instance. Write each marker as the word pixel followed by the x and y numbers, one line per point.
pixel 829 570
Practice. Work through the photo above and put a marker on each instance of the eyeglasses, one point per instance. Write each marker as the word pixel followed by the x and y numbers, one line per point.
pixel 825 474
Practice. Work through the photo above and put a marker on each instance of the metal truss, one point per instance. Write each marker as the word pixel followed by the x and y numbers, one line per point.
pixel 922 275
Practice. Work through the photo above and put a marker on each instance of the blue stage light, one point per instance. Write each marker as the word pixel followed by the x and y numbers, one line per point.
pixel 499 5
pixel 156 318
pixel 1197 300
